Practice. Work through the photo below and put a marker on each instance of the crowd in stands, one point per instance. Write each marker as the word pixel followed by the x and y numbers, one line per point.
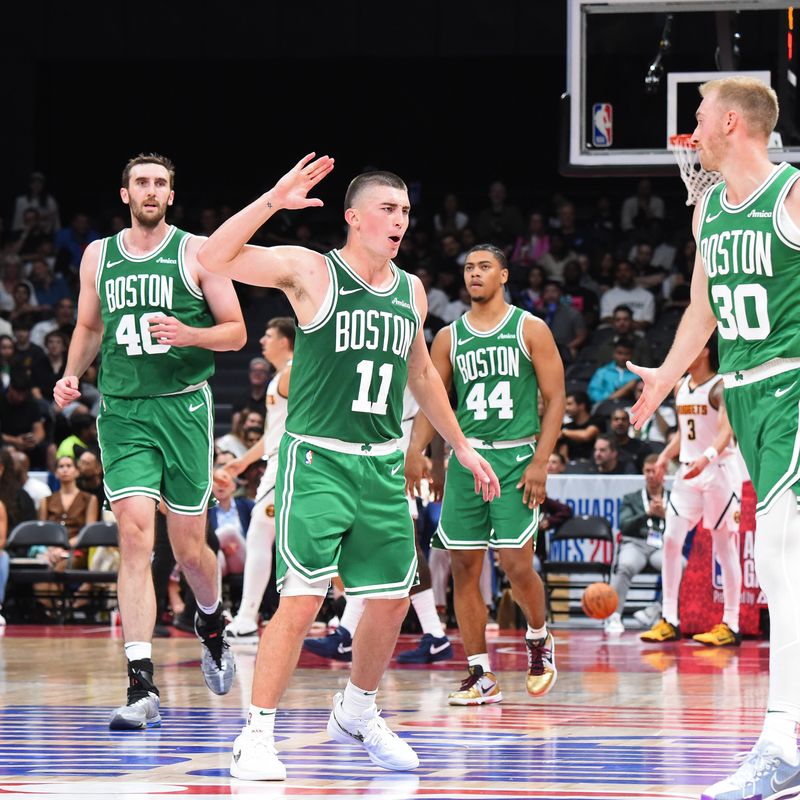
pixel 611 279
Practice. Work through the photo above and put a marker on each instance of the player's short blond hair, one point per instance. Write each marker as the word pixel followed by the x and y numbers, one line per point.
pixel 756 101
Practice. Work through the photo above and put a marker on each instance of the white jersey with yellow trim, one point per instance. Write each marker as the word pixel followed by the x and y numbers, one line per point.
pixel 697 419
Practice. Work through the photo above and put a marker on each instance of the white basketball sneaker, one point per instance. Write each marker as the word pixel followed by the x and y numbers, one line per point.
pixel 384 747
pixel 254 757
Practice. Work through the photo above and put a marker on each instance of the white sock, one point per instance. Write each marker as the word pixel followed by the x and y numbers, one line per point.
pixel 134 651
pixel 357 702
pixel 480 660
pixel 536 633
pixel 209 611
pixel 425 606
pixel 261 719
pixel 781 729
pixel 352 614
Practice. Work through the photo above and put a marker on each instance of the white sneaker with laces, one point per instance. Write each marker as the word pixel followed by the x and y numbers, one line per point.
pixel 613 624
pixel 254 757
pixel 384 747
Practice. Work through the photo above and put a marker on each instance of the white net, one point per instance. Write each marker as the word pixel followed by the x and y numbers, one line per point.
pixel 694 177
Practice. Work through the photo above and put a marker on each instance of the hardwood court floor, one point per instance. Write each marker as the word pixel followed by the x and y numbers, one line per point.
pixel 626 720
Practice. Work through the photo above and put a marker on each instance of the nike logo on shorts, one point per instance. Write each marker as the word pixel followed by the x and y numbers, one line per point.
pixel 523 458
pixel 394 471
pixel 110 264
pixel 349 291
pixel 711 218
pixel 437 648
pixel 192 409
pixel 782 392
pixel 464 341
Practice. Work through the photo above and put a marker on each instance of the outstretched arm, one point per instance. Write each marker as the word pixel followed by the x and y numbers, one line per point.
pixel 226 251
pixel 88 333
pixel 696 327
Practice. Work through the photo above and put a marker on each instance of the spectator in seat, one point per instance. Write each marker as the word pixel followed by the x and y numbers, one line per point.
pixel 614 381
pixel 64 321
pixel 638 209
pixel 500 223
pixel 578 435
pixel 556 464
pixel 607 460
pixel 83 437
pixel 49 288
pixel 636 449
pixel 38 198
pixel 229 520
pixel 622 328
pixel 90 476
pixel 258 376
pixel 625 292
pixel 22 420
pixel 36 489
pixel 566 324
pixel 449 218
pixel 50 368
pixel 641 524
pixel 26 352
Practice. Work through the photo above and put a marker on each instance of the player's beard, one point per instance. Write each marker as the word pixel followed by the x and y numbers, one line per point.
pixel 147 220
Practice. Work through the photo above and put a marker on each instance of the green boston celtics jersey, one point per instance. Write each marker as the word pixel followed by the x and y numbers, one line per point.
pixel 132 289
pixel 350 362
pixel 752 262
pixel 494 379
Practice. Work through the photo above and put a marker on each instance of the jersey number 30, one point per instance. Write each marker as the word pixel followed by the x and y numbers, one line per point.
pixel 736 309
pixel 135 335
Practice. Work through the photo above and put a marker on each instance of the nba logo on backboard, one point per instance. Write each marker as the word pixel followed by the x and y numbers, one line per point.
pixel 602 125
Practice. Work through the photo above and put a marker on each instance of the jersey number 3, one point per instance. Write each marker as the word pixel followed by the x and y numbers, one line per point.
pixel 135 335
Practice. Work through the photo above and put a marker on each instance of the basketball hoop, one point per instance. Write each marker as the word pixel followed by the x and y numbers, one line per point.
pixel 695 178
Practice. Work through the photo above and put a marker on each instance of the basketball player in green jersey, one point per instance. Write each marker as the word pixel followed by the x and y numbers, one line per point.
pixel 746 281
pixel 156 316
pixel 340 501
pixel 497 357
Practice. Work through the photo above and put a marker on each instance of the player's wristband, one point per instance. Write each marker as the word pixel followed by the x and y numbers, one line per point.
pixel 710 453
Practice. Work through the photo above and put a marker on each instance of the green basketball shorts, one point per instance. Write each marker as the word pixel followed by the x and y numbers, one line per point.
pixel 469 523
pixel 345 514
pixel 765 416
pixel 159 447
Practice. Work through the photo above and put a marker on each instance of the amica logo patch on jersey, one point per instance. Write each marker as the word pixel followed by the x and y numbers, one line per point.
pixel 163 260
pixel 309 457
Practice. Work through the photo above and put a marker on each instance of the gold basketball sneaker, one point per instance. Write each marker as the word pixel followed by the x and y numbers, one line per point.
pixel 542 673
pixel 719 636
pixel 477 688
